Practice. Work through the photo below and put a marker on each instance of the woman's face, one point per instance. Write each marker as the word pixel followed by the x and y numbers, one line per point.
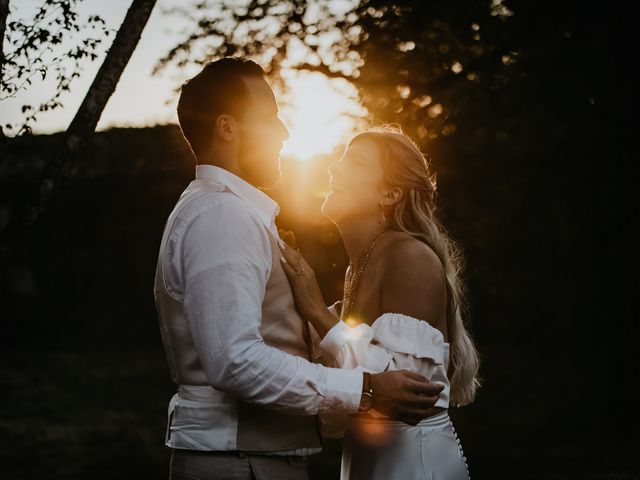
pixel 356 184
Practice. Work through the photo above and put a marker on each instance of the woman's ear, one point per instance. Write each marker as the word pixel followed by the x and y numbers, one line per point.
pixel 392 196
pixel 225 127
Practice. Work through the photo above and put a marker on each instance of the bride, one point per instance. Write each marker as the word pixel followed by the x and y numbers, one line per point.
pixel 402 307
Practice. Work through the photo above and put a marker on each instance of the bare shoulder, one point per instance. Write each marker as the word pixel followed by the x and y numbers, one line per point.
pixel 414 282
pixel 406 256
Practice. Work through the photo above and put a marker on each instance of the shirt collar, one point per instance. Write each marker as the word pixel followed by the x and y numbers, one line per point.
pixel 265 206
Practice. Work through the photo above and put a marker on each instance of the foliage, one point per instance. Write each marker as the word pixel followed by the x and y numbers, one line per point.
pixel 403 56
pixel 265 30
pixel 512 99
pixel 56 43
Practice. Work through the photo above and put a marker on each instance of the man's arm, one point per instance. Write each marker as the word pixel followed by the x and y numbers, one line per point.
pixel 224 261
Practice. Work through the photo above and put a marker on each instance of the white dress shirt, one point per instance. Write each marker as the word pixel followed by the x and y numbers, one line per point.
pixel 217 261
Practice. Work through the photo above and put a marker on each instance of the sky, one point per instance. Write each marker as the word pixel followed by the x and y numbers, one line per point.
pixel 315 103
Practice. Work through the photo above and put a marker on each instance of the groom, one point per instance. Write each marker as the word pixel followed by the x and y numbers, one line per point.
pixel 236 347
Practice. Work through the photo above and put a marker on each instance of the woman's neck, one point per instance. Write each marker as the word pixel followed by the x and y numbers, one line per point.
pixel 357 234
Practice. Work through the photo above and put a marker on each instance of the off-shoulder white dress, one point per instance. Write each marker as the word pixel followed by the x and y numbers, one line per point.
pixel 374 447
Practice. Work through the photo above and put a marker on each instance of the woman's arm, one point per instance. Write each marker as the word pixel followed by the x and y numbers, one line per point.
pixel 309 300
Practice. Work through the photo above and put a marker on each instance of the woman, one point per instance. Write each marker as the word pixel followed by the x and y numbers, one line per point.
pixel 402 306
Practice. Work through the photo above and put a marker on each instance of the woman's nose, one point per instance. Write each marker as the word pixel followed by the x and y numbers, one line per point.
pixel 332 169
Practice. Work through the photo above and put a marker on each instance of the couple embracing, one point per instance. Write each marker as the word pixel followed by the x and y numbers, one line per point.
pixel 264 368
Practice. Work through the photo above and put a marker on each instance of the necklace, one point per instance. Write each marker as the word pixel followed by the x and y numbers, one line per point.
pixel 352 278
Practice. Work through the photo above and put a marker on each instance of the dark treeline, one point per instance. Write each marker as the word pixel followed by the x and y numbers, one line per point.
pixel 85 285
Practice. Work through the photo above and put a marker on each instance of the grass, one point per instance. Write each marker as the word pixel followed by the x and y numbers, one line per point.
pixel 101 415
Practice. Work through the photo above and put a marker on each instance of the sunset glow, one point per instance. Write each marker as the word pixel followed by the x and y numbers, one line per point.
pixel 320 113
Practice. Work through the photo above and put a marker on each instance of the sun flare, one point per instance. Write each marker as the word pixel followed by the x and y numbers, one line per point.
pixel 320 113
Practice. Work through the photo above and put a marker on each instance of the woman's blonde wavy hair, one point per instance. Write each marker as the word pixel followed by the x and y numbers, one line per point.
pixel 406 167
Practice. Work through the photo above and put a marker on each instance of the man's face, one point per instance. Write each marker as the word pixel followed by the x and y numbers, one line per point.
pixel 262 135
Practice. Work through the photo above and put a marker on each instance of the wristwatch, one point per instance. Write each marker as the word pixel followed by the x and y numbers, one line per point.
pixel 366 400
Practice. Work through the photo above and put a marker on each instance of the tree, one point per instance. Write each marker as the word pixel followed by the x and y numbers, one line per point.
pixel 55 43
pixel 401 55
pixel 58 170
pixel 88 115
pixel 4 13
pixel 513 99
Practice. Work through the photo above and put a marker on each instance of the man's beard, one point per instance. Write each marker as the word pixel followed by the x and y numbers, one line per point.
pixel 258 170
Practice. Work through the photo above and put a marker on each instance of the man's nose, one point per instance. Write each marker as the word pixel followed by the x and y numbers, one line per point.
pixel 283 130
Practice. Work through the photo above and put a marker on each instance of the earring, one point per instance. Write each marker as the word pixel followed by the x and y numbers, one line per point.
pixel 383 218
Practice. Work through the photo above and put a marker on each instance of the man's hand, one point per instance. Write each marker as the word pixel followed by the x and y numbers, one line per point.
pixel 404 395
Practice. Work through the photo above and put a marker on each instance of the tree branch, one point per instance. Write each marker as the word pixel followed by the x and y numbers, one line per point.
pixel 324 69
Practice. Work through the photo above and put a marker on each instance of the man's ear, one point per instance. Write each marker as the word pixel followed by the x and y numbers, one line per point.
pixel 392 196
pixel 226 127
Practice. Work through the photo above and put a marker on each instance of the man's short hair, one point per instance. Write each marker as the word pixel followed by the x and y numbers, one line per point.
pixel 218 89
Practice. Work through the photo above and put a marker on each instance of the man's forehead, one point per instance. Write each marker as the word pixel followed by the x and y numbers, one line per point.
pixel 260 92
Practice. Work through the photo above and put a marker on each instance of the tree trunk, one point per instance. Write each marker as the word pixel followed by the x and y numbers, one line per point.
pixel 88 115
pixel 4 13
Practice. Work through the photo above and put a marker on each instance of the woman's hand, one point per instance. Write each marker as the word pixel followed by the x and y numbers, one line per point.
pixel 306 291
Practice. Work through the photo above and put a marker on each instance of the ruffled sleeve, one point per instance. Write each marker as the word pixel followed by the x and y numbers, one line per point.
pixel 393 342
pixel 403 334
pixel 374 347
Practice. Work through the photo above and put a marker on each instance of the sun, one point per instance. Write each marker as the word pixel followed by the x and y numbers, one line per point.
pixel 320 113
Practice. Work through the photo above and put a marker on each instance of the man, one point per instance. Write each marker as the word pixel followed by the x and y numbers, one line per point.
pixel 236 347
